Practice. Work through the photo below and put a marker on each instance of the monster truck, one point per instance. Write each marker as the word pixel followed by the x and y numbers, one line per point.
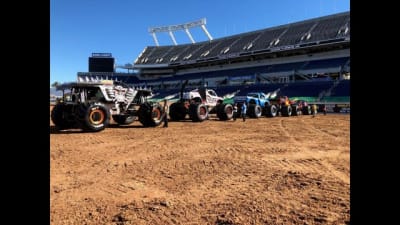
pixel 258 104
pixel 289 107
pixel 300 107
pixel 198 104
pixel 89 105
pixel 284 105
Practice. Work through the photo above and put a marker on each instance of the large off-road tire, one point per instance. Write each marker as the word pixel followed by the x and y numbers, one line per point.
pixel 271 111
pixel 94 117
pixel 150 116
pixel 177 111
pixel 286 110
pixel 296 110
pixel 306 110
pixel 224 111
pixel 123 119
pixel 254 111
pixel 58 114
pixel 337 109
pixel 198 112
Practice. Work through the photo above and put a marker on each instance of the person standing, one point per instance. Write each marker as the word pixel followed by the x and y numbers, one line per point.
pixel 235 109
pixel 244 110
pixel 165 116
pixel 314 110
pixel 324 109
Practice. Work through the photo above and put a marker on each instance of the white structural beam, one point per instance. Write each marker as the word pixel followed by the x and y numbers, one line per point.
pixel 185 26
pixel 155 38
pixel 172 37
pixel 206 31
pixel 189 35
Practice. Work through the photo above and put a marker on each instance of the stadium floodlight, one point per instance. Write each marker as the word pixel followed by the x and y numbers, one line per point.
pixel 185 26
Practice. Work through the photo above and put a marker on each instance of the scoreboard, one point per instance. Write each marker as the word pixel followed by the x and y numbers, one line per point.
pixel 101 62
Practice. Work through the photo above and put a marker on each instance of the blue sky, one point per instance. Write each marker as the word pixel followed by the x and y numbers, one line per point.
pixel 80 27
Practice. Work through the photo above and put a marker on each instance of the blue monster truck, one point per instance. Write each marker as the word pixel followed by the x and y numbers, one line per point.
pixel 258 105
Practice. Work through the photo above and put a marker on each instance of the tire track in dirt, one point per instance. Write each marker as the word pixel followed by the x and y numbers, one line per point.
pixel 283 128
pixel 310 129
pixel 318 159
pixel 311 126
pixel 325 155
pixel 106 161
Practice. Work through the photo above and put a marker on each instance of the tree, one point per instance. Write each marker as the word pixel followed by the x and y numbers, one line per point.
pixel 55 84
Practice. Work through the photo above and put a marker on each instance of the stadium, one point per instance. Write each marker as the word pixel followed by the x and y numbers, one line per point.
pixel 281 170
pixel 308 60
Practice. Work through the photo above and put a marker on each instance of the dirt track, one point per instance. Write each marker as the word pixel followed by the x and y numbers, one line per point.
pixel 291 170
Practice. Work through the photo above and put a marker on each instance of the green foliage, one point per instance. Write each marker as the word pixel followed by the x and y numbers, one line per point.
pixel 55 84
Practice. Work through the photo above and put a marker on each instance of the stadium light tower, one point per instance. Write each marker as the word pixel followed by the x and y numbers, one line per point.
pixel 184 26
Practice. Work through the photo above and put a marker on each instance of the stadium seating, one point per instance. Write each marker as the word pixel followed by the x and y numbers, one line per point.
pixel 342 89
pixel 244 43
pixel 266 38
pixel 282 37
pixel 294 34
pixel 327 29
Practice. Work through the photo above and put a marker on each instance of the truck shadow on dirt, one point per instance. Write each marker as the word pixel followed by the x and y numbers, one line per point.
pixel 54 130
pixel 126 126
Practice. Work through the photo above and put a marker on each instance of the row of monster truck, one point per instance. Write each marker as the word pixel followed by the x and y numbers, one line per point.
pixel 90 106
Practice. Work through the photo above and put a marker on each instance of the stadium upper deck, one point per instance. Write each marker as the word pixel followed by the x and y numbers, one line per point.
pixel 332 30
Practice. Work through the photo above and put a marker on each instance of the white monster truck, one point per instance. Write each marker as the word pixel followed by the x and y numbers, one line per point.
pixel 198 104
pixel 89 105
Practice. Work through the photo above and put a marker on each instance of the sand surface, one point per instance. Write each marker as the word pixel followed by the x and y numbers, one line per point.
pixel 283 170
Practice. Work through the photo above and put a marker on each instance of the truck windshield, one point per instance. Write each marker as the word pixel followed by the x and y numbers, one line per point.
pixel 254 95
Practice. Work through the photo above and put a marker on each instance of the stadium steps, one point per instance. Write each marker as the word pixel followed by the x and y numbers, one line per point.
pixel 327 93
